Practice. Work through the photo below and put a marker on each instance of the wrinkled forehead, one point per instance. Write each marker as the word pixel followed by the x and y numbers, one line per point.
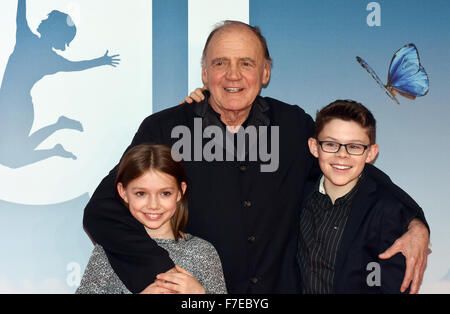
pixel 240 34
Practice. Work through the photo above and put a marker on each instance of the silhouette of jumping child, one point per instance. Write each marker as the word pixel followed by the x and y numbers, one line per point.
pixel 32 59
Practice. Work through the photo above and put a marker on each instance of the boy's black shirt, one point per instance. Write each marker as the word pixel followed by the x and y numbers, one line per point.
pixel 322 225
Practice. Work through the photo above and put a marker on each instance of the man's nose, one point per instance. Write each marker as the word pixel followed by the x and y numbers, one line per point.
pixel 233 72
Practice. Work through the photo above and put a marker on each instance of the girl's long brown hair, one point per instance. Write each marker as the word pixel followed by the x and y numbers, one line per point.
pixel 142 158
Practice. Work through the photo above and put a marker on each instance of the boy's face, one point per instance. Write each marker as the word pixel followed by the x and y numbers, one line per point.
pixel 342 169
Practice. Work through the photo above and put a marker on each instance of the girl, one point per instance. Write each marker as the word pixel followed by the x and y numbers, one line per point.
pixel 154 188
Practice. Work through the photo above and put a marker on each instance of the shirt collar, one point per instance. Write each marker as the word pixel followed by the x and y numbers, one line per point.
pixel 258 116
pixel 320 187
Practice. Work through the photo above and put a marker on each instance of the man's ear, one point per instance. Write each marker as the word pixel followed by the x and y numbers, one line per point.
pixel 313 147
pixel 122 193
pixel 204 76
pixel 266 73
pixel 373 153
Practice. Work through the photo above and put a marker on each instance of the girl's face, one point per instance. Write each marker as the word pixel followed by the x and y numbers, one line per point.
pixel 152 199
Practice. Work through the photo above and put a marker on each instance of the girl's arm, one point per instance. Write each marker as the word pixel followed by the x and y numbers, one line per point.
pixel 97 275
pixel 213 274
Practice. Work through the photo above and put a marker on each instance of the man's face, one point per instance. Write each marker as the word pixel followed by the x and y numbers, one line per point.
pixel 342 169
pixel 235 69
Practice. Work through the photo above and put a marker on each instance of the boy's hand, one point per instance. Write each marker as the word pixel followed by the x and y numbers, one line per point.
pixel 196 96
pixel 414 246
pixel 181 282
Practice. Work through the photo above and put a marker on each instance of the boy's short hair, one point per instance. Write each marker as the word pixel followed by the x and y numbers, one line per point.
pixel 347 110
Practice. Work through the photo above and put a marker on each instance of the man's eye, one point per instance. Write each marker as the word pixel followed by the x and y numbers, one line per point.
pixel 247 64
pixel 330 144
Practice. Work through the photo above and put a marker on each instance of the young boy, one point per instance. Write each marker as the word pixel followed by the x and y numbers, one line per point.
pixel 349 218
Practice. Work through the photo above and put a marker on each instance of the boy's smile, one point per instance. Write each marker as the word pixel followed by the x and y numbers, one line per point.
pixel 341 169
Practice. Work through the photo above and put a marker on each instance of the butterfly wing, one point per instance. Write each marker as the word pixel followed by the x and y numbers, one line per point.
pixel 406 74
pixel 376 78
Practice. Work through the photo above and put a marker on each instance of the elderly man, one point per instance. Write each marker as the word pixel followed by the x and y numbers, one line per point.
pixel 249 215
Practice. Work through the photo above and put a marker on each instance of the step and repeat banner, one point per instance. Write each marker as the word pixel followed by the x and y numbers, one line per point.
pixel 78 77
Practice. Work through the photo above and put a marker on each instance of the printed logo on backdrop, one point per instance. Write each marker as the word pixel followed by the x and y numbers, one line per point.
pixel 40 198
pixel 36 55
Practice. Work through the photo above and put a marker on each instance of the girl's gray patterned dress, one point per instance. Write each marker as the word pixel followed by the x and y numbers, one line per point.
pixel 195 255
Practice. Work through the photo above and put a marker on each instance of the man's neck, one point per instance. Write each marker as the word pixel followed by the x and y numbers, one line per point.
pixel 232 119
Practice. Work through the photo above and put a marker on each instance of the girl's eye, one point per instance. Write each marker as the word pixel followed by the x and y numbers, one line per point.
pixel 140 193
pixel 166 193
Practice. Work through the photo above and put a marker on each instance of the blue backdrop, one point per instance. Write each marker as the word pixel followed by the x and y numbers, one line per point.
pixel 313 45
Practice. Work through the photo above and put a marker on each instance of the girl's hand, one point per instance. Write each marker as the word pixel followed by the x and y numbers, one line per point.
pixel 154 289
pixel 182 282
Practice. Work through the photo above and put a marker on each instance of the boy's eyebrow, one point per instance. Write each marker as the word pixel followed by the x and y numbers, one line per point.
pixel 330 138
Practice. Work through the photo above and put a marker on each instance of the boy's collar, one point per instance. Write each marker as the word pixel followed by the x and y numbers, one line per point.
pixel 321 186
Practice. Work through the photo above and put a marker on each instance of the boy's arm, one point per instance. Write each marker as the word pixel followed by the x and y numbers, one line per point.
pixel 133 255
pixel 413 244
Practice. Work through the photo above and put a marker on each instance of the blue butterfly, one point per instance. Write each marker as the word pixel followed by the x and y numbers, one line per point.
pixel 406 76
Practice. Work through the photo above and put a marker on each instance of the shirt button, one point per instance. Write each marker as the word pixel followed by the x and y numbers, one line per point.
pixel 254 280
pixel 242 168
pixel 251 239
pixel 247 203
